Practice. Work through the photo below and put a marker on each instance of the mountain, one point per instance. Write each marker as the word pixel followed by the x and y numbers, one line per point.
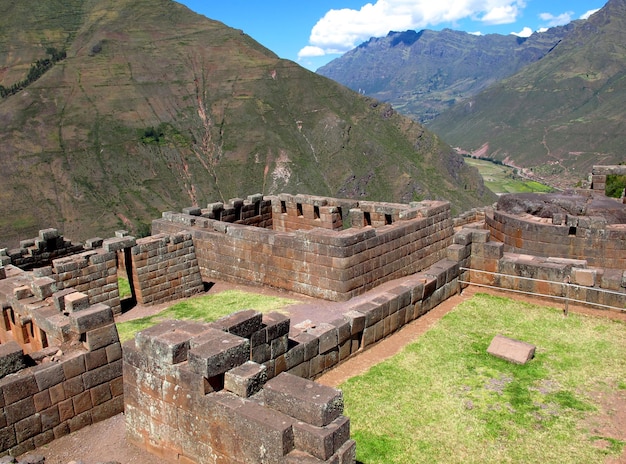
pixel 424 73
pixel 112 111
pixel 559 116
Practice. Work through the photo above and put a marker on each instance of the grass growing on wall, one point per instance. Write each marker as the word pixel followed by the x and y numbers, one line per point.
pixel 206 308
pixel 444 399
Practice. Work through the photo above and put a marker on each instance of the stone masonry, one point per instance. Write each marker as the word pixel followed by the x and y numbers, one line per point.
pixel 386 241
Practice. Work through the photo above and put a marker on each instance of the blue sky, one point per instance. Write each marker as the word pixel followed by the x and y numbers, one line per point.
pixel 314 32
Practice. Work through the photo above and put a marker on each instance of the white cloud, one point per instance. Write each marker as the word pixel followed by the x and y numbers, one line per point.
pixel 588 13
pixel 309 51
pixel 525 32
pixel 559 20
pixel 505 14
pixel 342 30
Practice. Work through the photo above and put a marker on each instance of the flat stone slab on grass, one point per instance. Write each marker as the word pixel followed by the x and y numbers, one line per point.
pixel 511 350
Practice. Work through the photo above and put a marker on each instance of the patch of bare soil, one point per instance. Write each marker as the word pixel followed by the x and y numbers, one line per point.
pixel 106 442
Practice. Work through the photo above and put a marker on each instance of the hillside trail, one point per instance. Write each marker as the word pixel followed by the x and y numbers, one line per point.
pixel 106 442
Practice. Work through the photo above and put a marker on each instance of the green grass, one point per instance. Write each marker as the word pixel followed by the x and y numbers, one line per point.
pixel 444 399
pixel 124 287
pixel 206 308
pixel 502 179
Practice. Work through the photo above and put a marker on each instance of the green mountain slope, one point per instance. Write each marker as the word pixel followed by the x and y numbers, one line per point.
pixel 424 73
pixel 558 116
pixel 153 107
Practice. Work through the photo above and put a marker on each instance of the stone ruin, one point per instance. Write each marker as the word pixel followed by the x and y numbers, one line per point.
pixel 242 388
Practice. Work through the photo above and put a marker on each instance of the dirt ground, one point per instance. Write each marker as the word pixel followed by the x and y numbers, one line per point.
pixel 106 442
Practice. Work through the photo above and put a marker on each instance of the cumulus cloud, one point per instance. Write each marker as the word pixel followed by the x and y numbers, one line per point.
pixel 342 30
pixel 525 32
pixel 588 13
pixel 558 20
pixel 310 51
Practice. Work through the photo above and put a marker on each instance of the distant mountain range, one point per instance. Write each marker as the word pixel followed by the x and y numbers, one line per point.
pixel 424 73
pixel 556 113
pixel 112 111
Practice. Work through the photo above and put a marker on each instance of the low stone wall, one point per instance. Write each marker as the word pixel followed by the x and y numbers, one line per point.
pixel 39 251
pixel 553 276
pixel 575 237
pixel 60 363
pixel 328 264
pixel 239 390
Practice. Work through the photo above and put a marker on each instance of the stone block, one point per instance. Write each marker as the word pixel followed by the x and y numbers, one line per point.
pixel 276 324
pixel 245 380
pixel 357 321
pixel 303 399
pixel 327 334
pixel 43 287
pixel 584 277
pixel 216 352
pixel 58 298
pixel 511 350
pixel 101 337
pixel 22 292
pixel 95 316
pixel 262 434
pixel 321 442
pixel 11 358
pixel 310 342
pixel 76 301
pixel 242 323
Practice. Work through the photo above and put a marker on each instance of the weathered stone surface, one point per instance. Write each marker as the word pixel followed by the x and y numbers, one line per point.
pixel 11 358
pixel 93 317
pixel 245 380
pixel 76 301
pixel 242 323
pixel 303 399
pixel 511 350
pixel 216 352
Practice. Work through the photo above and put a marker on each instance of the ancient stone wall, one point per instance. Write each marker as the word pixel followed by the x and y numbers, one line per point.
pixel 329 264
pixel 60 363
pixel 92 272
pixel 576 237
pixel 39 251
pixel 599 174
pixel 238 390
pixel 552 276
pixel 305 212
pixel 165 268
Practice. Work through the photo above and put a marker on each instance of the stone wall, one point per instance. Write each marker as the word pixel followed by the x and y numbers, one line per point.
pixel 60 363
pixel 165 268
pixel 576 237
pixel 599 174
pixel 329 264
pixel 92 272
pixel 39 251
pixel 562 278
pixel 239 390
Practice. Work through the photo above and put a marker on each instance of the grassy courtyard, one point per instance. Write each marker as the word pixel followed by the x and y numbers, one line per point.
pixel 444 399
pixel 206 308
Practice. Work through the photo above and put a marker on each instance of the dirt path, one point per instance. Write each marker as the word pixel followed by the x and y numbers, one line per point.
pixel 106 442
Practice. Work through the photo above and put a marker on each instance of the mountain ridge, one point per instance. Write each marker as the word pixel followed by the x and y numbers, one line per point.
pixel 156 108
pixel 559 116
pixel 424 73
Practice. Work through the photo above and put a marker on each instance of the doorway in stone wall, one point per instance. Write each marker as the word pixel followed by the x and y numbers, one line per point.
pixel 125 283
